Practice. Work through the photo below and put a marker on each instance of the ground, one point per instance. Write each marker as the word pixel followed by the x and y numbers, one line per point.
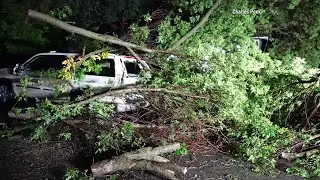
pixel 21 158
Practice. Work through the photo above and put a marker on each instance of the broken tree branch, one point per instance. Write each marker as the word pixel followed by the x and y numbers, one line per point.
pixel 135 125
pixel 138 58
pixel 293 156
pixel 147 154
pixel 313 112
pixel 194 30
pixel 121 90
pixel 133 89
pixel 90 34
pixel 300 144
pixel 144 159
pixel 92 54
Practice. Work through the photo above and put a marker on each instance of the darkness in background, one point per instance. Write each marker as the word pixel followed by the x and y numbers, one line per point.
pixel 13 19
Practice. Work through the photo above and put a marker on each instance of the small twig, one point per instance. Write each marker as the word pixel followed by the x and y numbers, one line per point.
pixel 83 50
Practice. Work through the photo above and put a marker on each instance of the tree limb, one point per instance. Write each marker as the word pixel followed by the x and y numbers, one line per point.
pixel 92 54
pixel 313 112
pixel 135 125
pixel 138 58
pixel 112 92
pixel 133 89
pixel 300 144
pixel 194 30
pixel 90 34
pixel 293 156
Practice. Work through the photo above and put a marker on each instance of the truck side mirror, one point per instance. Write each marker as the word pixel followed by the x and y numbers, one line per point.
pixel 16 69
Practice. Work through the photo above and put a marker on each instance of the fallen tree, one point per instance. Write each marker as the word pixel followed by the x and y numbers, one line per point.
pixel 93 35
pixel 148 159
pixel 246 98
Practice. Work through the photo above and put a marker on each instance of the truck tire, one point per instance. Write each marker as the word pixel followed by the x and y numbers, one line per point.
pixel 6 98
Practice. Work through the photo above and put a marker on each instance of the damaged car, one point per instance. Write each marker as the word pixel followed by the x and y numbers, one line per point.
pixel 116 71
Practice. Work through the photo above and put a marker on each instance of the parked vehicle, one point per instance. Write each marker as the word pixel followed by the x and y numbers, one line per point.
pixel 117 71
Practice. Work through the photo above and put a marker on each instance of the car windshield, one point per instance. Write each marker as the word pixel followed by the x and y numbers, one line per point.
pixel 107 68
pixel 132 68
pixel 46 62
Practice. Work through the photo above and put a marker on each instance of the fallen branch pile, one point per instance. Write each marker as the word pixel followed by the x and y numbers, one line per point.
pixel 148 159
pixel 115 91
pixel 305 150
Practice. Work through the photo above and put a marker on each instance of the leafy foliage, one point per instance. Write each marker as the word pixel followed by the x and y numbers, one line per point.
pixel 249 92
pixel 183 150
pixel 39 134
pixel 118 137
pixel 171 30
pixel 139 35
pixel 76 68
pixel 65 136
pixel 101 109
pixel 49 114
pixel 307 168
pixel 24 81
pixel 75 174
pixel 251 86
pixel 17 35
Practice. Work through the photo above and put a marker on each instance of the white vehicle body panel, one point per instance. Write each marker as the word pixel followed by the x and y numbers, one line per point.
pixel 44 87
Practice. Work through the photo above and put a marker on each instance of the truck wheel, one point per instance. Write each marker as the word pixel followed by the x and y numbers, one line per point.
pixel 6 99
pixel 6 94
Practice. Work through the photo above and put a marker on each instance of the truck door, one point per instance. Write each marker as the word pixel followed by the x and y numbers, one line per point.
pixel 40 86
pixel 104 79
pixel 132 70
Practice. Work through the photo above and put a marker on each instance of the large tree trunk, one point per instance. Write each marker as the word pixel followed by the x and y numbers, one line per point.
pixel 143 159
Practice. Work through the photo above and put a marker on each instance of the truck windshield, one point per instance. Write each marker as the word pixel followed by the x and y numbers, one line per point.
pixel 132 68
pixel 42 63
pixel 107 68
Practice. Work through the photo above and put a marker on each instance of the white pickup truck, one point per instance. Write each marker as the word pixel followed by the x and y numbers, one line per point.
pixel 117 71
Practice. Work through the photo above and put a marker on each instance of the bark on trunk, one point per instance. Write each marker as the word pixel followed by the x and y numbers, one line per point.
pixel 148 159
pixel 93 35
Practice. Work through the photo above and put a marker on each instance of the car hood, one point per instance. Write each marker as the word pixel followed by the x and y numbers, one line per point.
pixel 5 71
